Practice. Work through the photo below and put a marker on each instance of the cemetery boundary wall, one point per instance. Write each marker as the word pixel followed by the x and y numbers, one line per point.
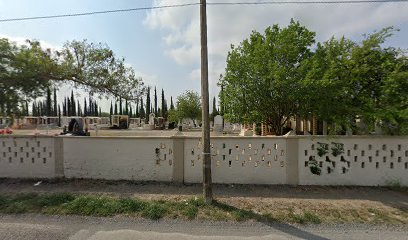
pixel 293 160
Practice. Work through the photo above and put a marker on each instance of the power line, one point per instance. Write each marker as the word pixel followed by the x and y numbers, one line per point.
pixel 97 12
pixel 195 4
pixel 307 2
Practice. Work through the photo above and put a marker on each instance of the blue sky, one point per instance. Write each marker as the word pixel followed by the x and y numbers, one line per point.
pixel 163 45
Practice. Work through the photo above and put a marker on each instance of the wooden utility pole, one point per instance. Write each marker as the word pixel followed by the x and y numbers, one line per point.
pixel 207 182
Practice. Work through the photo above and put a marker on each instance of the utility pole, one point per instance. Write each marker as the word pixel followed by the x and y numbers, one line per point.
pixel 207 182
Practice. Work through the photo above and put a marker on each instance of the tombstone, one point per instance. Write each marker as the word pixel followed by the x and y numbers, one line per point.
pixel 246 130
pixel 291 133
pixel 227 126
pixel 151 118
pixel 218 124
pixel 160 123
pixel 188 123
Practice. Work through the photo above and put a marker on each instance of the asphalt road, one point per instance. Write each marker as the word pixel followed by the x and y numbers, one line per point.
pixel 30 227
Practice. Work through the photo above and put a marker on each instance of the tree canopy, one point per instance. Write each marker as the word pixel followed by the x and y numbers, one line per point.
pixel 263 76
pixel 26 71
pixel 188 105
pixel 280 74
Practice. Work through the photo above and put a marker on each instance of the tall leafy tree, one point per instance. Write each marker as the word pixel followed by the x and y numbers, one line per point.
pixel 188 106
pixel 27 70
pixel 263 74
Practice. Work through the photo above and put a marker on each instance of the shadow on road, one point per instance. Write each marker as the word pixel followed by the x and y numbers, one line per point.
pixel 269 221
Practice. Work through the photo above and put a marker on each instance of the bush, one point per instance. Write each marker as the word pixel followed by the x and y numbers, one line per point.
pixel 154 211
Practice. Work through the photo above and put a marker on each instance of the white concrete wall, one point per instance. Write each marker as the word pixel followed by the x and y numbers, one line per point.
pixel 27 157
pixel 367 161
pixel 241 160
pixel 118 158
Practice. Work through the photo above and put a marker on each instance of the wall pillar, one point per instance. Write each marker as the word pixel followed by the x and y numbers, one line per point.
pixel 324 127
pixel 59 156
pixel 178 161
pixel 292 161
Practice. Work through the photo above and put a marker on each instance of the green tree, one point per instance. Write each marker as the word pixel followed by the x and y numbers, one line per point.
pixel 327 86
pixel 55 109
pixel 171 103
pixel 147 105
pixel 262 81
pixel 26 71
pixel 49 103
pixel 155 103
pixel 349 80
pixel 188 106
pixel 142 112
pixel 214 109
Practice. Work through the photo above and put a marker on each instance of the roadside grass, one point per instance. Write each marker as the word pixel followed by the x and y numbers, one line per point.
pixel 194 208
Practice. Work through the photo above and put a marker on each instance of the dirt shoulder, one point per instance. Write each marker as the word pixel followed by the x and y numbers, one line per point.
pixel 236 202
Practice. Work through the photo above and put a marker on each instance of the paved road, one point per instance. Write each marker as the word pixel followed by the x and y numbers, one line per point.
pixel 30 227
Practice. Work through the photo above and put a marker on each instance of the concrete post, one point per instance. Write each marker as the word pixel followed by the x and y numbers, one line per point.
pixel 59 156
pixel 325 128
pixel 178 161
pixel 292 161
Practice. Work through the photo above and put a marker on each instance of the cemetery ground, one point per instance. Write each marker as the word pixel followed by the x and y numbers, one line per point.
pixel 234 203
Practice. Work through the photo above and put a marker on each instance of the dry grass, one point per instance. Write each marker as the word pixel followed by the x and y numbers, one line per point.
pixel 233 203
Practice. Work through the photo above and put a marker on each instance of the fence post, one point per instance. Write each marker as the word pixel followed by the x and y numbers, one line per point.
pixel 292 160
pixel 178 161
pixel 59 156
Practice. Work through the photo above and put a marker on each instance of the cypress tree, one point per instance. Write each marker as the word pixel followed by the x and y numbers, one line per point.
pixel 126 107
pixel 55 102
pixel 69 108
pixel 116 108
pixel 48 110
pixel 73 113
pixel 163 103
pixel 64 108
pixel 137 108
pixel 120 106
pixel 59 116
pixel 155 103
pixel 79 112
pixel 96 109
pixel 147 105
pixel 111 110
pixel 33 109
pixel 85 108
pixel 171 103
pixel 142 112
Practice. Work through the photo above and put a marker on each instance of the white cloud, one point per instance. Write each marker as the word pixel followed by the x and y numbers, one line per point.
pixel 148 79
pixel 231 24
pixel 23 41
